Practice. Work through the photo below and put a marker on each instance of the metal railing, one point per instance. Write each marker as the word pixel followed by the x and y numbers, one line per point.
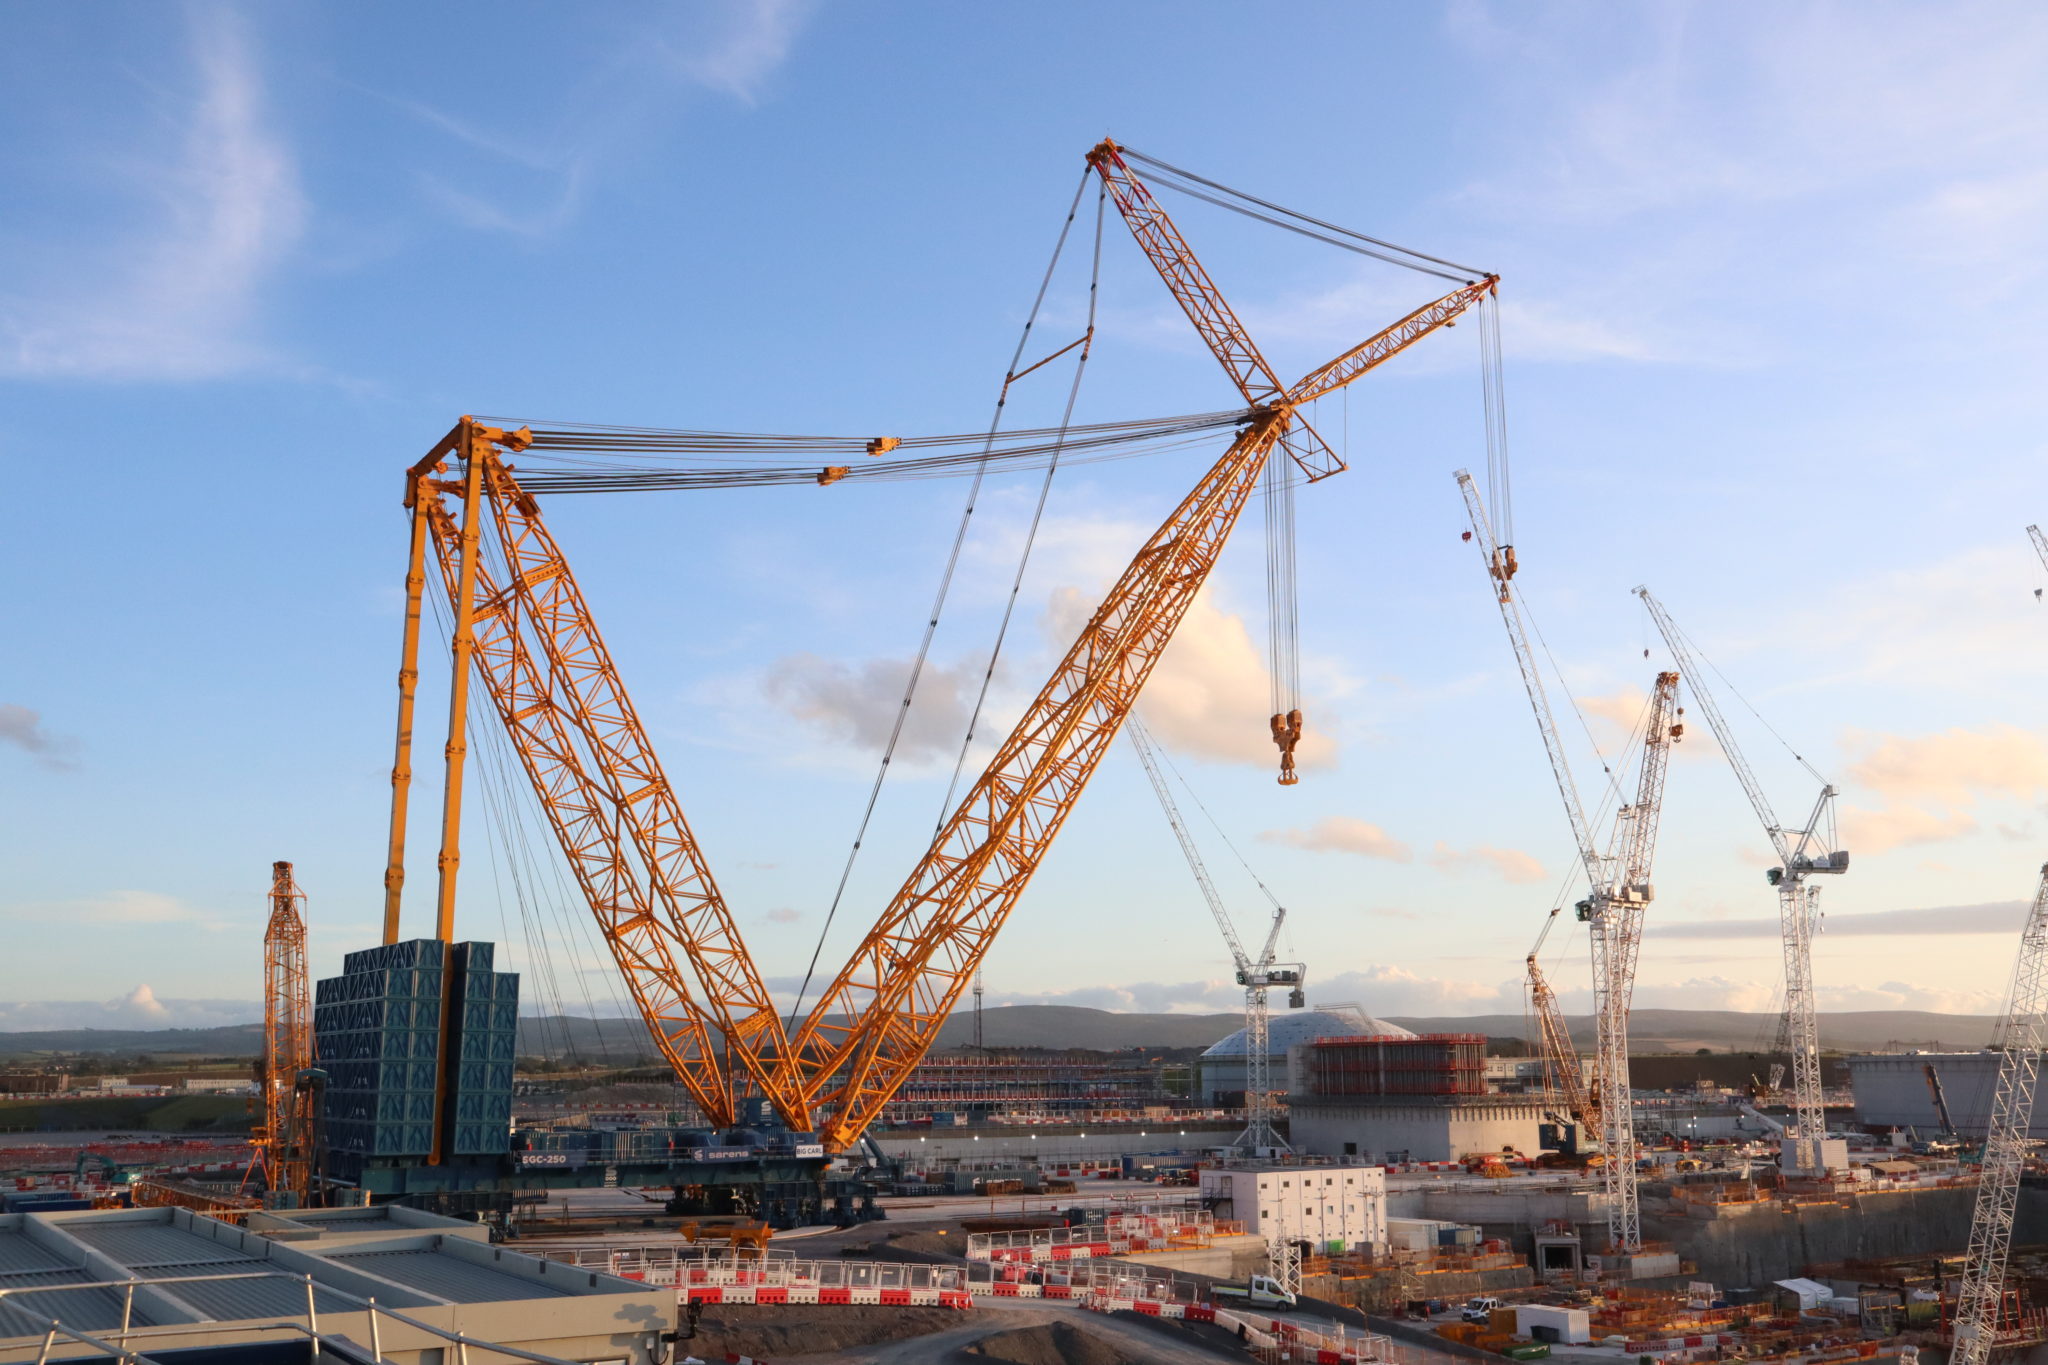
pixel 120 1344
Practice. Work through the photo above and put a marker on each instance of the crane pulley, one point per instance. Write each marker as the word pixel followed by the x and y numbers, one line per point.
pixel 524 629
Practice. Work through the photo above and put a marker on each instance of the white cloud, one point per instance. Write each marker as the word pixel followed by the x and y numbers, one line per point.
pixel 1342 834
pixel 1210 693
pixel 857 705
pixel 180 298
pixel 140 1008
pixel 1509 864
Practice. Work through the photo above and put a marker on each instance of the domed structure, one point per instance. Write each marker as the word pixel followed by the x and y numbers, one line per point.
pixel 1221 1070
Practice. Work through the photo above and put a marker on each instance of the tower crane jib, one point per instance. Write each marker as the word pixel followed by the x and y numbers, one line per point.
pixel 1801 854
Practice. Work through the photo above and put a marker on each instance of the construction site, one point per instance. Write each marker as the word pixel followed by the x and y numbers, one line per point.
pixel 808 1174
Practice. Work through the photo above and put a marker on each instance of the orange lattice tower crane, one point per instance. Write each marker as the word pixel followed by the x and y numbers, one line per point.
pixel 284 1138
pixel 521 623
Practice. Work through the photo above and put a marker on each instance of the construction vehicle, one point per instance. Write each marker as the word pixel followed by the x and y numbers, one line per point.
pixel 1940 1097
pixel 522 628
pixel 1984 1305
pixel 1802 853
pixel 1260 1291
pixel 1257 976
pixel 1619 880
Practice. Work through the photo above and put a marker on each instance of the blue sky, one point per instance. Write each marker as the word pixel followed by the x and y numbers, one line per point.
pixel 1769 349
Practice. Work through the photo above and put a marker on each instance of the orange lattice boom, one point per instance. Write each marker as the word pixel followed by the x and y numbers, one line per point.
pixel 523 625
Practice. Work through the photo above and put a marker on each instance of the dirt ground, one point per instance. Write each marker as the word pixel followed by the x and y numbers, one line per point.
pixel 1046 1343
pixel 1031 1334
pixel 774 1332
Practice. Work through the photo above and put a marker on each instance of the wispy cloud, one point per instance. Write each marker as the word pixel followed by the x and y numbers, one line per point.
pixel 734 46
pixel 1342 834
pixel 179 298
pixel 125 907
pixel 1509 864
pixel 1996 917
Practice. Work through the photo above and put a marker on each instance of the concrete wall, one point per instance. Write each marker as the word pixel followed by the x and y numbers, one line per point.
pixel 1425 1132
pixel 1753 1249
pixel 1892 1089
pixel 1051 1145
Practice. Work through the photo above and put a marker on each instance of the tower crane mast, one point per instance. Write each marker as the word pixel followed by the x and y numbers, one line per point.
pixel 1802 853
pixel 1619 881
pixel 1980 1304
pixel 1257 975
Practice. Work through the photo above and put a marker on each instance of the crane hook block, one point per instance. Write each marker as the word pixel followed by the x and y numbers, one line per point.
pixel 882 445
pixel 831 473
pixel 1286 734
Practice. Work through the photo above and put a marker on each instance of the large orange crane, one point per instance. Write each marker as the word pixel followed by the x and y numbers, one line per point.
pixel 522 625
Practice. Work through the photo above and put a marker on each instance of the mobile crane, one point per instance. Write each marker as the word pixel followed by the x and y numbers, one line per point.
pixel 522 628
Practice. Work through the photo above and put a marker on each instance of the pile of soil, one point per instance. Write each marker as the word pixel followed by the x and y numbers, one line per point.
pixel 1049 1343
pixel 772 1331
pixel 925 1247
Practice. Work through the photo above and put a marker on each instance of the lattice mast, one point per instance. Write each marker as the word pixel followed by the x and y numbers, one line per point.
pixel 1979 1306
pixel 1257 975
pixel 1618 879
pixel 1802 853
pixel 283 1139
pixel 1614 921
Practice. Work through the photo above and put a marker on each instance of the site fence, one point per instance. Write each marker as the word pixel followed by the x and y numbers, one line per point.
pixel 711 1273
pixel 1117 1235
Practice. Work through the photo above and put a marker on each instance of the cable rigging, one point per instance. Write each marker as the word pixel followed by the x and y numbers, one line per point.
pixel 924 648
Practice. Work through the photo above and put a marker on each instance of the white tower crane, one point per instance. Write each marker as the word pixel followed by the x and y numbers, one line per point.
pixel 1801 853
pixel 2040 545
pixel 1256 975
pixel 1979 1305
pixel 1619 881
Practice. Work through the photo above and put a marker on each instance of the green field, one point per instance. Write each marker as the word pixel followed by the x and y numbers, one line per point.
pixel 124 1113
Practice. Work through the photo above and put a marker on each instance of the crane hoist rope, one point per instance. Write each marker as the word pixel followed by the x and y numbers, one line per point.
pixel 938 608
pixel 520 621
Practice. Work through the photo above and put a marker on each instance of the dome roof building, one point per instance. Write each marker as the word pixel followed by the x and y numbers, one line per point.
pixel 1221 1069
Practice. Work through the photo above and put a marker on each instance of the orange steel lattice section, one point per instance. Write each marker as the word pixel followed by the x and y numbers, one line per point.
pixel 283 1136
pixel 524 625
pixel 612 809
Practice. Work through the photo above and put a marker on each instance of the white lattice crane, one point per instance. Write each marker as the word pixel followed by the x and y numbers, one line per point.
pixel 1257 975
pixel 1619 880
pixel 1981 1303
pixel 1802 853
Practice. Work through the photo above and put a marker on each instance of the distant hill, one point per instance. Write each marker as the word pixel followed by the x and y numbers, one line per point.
pixel 624 1041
